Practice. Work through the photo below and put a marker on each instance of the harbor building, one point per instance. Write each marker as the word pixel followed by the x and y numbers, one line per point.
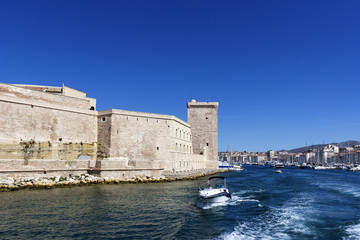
pixel 51 131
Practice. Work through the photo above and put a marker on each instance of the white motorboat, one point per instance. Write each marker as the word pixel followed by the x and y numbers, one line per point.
pixel 320 168
pixel 236 168
pixel 278 171
pixel 355 168
pixel 279 165
pixel 215 190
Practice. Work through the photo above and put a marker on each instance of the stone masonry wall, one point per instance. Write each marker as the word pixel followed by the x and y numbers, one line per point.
pixel 202 116
pixel 140 139
pixel 46 134
pixel 11 91
pixel 40 127
pixel 147 141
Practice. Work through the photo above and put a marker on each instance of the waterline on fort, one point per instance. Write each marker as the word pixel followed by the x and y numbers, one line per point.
pixel 13 184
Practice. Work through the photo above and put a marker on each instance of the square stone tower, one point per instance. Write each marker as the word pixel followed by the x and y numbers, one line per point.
pixel 203 118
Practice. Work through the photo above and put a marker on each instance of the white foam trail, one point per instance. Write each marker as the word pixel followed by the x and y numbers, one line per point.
pixel 235 200
pixel 217 204
pixel 344 188
pixel 350 190
pixel 353 232
pixel 278 223
pixel 238 199
pixel 247 232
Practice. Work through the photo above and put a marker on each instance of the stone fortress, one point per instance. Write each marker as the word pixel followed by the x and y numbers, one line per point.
pixel 54 131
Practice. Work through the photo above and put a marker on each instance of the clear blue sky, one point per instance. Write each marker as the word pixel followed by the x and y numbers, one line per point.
pixel 284 72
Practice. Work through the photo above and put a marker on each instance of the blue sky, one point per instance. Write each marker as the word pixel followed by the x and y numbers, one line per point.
pixel 284 72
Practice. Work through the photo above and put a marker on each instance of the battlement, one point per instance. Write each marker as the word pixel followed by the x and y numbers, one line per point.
pixel 194 104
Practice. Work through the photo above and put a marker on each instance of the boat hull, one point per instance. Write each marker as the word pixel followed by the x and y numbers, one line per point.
pixel 216 199
pixel 215 195
pixel 215 191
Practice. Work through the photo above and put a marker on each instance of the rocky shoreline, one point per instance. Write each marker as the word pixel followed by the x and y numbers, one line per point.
pixel 14 184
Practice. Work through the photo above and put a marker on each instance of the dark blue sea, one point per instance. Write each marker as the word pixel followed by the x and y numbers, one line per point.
pixel 296 204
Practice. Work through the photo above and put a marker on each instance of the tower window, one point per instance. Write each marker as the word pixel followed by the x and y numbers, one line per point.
pixel 207 144
pixel 103 119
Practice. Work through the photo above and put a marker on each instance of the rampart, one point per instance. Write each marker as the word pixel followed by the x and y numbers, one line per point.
pixel 135 140
pixel 55 131
pixel 42 132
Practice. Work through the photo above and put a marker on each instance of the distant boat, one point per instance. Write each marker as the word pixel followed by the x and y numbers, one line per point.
pixel 320 167
pixel 278 171
pixel 279 165
pixel 236 168
pixel 224 165
pixel 355 168
pixel 215 190
pixel 341 167
pixel 304 165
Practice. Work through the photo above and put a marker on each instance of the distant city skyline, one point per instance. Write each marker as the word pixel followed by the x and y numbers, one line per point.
pixel 285 73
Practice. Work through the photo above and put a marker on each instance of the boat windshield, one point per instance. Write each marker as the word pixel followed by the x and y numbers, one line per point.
pixel 216 183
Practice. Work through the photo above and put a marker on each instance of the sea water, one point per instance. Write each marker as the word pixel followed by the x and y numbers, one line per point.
pixel 296 204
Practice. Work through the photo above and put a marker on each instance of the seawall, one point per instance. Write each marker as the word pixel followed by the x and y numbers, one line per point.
pixel 14 184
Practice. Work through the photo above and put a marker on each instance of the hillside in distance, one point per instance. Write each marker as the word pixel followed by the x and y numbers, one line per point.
pixel 349 143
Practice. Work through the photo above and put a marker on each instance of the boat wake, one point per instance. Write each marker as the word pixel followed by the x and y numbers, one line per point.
pixel 353 232
pixel 341 187
pixel 277 223
pixel 236 199
pixel 203 205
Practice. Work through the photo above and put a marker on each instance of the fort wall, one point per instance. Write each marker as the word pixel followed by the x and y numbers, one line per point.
pixel 150 141
pixel 55 131
pixel 44 131
pixel 29 94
